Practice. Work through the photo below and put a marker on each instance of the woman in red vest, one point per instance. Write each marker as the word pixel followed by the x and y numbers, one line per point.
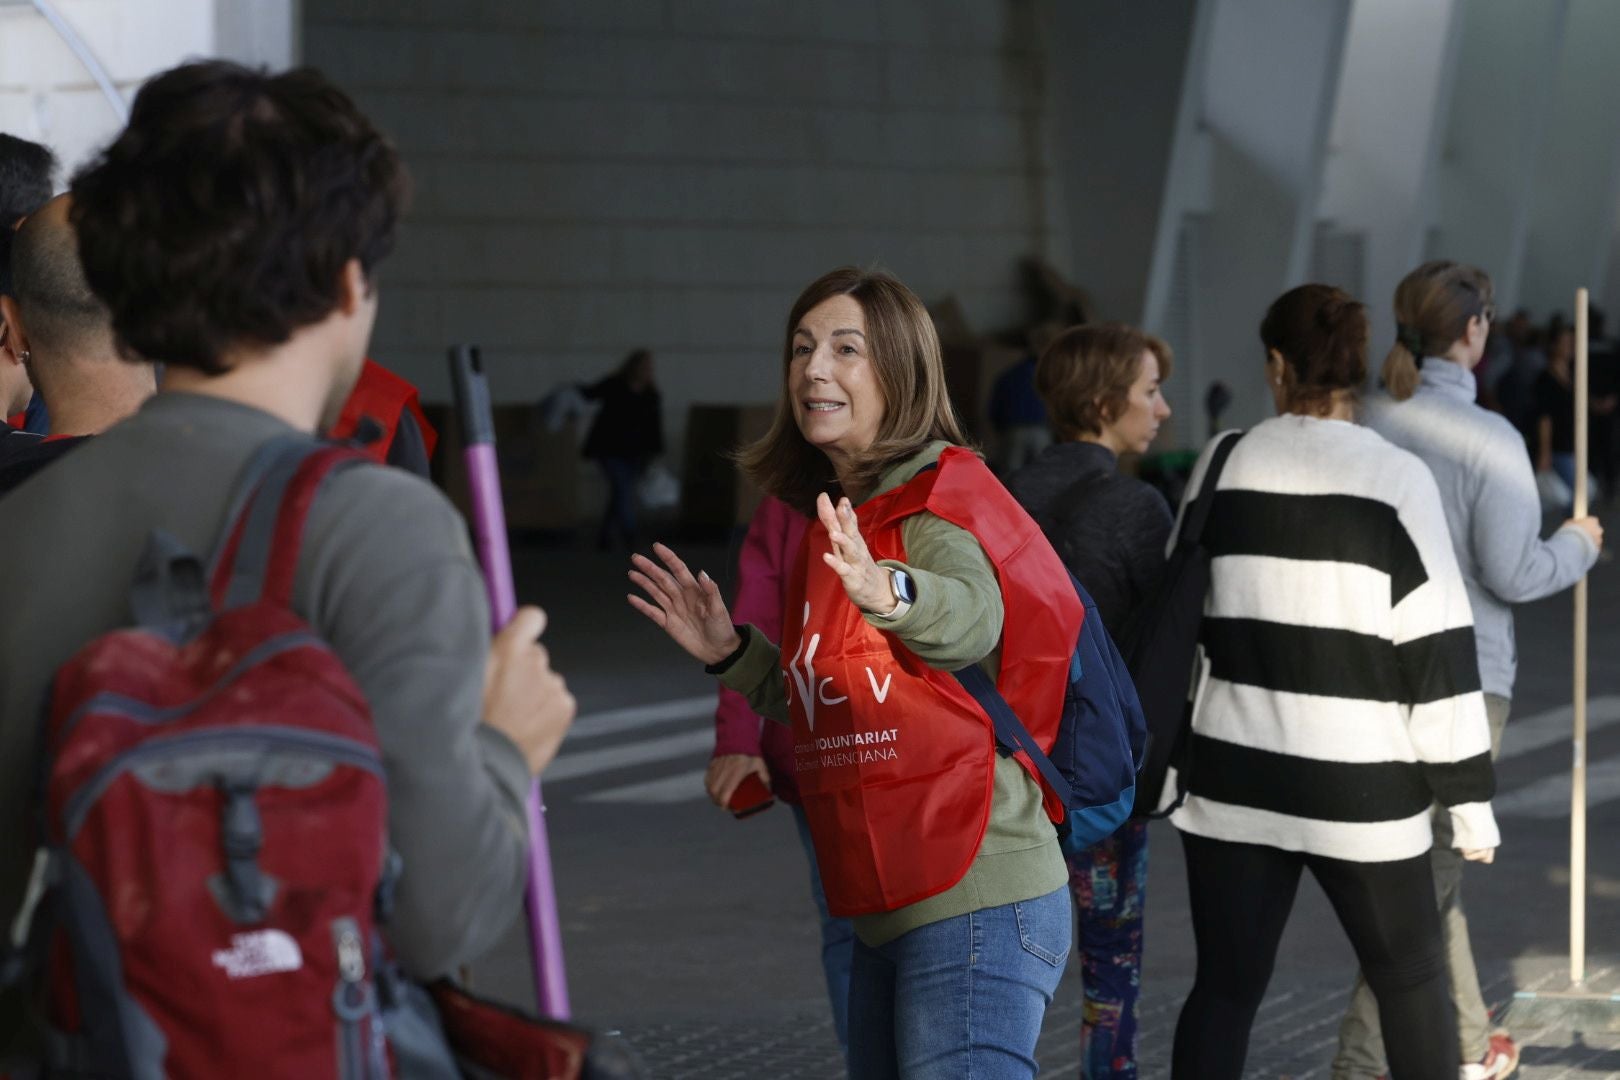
pixel 917 564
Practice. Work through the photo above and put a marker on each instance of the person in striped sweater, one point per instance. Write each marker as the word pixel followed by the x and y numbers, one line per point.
pixel 1336 696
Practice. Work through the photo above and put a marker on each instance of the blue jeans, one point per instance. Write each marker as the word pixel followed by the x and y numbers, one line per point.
pixel 960 999
pixel 837 939
pixel 620 515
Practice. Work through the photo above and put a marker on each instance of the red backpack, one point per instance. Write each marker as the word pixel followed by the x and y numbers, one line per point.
pixel 214 820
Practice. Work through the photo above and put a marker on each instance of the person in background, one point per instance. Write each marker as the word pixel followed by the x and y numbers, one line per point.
pixel 1554 431
pixel 27 178
pixel 1336 698
pixel 65 337
pixel 1519 360
pixel 747 745
pixel 1017 416
pixel 1443 315
pixel 1101 386
pixel 626 435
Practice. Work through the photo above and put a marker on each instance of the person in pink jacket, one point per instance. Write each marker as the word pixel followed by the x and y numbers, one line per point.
pixel 744 744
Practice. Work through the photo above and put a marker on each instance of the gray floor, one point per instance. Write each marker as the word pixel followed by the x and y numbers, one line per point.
pixel 694 934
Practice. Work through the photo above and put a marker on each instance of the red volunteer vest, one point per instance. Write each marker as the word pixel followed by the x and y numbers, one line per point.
pixel 383 396
pixel 895 761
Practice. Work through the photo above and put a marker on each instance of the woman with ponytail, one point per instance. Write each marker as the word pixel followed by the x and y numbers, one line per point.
pixel 1336 698
pixel 1443 313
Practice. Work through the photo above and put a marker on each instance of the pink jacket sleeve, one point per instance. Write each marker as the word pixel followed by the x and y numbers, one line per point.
pixel 766 558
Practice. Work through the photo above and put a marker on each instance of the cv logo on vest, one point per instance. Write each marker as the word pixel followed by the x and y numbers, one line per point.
pixel 803 670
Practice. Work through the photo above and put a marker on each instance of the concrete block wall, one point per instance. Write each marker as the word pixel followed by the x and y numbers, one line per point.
pixel 594 177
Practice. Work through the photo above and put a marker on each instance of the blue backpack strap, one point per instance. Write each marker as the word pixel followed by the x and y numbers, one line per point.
pixel 1010 731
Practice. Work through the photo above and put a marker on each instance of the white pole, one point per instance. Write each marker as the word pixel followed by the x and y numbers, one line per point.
pixel 1577 797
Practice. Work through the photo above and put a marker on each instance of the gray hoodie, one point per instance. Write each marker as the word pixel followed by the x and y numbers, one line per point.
pixel 1489 493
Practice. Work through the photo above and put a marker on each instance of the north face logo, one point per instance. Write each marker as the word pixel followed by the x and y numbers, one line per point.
pixel 261 952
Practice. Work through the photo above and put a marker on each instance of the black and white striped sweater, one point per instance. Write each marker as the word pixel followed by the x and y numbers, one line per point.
pixel 1337 691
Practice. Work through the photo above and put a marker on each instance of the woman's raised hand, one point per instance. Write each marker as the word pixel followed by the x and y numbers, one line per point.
pixel 866 582
pixel 688 608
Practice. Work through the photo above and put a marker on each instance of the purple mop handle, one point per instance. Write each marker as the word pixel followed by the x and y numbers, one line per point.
pixel 489 527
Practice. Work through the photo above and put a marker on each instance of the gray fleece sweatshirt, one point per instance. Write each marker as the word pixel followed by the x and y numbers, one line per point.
pixel 1489 494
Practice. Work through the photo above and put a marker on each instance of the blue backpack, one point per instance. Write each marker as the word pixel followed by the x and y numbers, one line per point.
pixel 1101 736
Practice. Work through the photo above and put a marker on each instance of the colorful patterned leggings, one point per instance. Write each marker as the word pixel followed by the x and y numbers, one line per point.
pixel 1108 880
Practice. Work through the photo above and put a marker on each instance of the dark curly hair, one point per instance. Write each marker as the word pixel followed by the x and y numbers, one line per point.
pixel 26 172
pixel 224 214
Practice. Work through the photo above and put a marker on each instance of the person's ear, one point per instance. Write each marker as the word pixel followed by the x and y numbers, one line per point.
pixel 13 338
pixel 353 287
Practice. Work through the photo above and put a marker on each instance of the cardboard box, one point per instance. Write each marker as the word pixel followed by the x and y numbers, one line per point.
pixel 539 468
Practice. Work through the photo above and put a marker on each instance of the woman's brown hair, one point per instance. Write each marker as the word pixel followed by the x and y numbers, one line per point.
pixel 1321 334
pixel 1433 306
pixel 1085 374
pixel 910 372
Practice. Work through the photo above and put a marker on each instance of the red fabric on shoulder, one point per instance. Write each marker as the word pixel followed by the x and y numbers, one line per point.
pixel 383 396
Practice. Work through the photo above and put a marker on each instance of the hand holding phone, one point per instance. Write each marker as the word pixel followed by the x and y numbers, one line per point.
pixel 740 783
pixel 750 798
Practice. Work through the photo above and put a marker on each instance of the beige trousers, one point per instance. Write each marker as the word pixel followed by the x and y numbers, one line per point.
pixel 1361 1045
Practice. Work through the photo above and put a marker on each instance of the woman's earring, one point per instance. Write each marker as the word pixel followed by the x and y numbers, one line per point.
pixel 25 356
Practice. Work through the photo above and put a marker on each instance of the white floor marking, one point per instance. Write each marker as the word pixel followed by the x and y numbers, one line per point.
pixel 1554 726
pixel 572 766
pixel 636 717
pixel 682 787
pixel 1547 799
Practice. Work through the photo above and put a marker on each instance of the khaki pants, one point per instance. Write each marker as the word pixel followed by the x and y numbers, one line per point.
pixel 1361 1047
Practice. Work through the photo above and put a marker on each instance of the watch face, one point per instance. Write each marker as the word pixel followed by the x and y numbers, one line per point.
pixel 903 587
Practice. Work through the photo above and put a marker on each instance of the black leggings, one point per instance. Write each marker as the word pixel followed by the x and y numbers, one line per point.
pixel 1241 895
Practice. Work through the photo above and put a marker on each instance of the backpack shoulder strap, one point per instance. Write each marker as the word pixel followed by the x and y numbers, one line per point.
pixel 1011 734
pixel 257 558
pixel 1198 513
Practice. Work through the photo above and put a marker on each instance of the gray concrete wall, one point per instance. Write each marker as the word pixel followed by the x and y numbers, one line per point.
pixel 593 177
pixel 1118 73
pixel 1270 78
pixel 1399 68
pixel 1492 140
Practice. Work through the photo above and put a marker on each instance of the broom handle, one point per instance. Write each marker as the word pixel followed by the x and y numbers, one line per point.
pixel 489 527
pixel 1577 797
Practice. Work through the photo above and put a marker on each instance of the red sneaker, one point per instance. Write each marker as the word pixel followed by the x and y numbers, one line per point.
pixel 1500 1062
pixel 1502 1059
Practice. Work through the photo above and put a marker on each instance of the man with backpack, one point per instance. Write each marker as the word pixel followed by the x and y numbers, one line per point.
pixel 234 231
